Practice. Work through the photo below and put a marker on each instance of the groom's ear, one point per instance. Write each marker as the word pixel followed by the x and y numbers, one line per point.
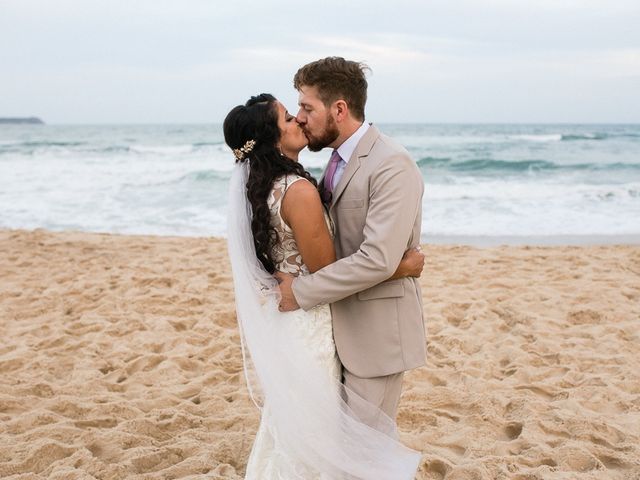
pixel 341 110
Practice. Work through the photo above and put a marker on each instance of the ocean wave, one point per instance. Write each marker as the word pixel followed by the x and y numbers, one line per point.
pixel 61 149
pixel 178 149
pixel 584 136
pixel 111 149
pixel 161 149
pixel 200 177
pixel 570 137
pixel 600 136
pixel 433 161
pixel 502 192
pixel 29 148
pixel 206 176
pixel 207 144
pixel 45 143
pixel 489 165
pixel 194 179
pixel 493 138
pixel 551 137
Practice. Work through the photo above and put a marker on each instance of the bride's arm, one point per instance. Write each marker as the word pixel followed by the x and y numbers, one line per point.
pixel 302 210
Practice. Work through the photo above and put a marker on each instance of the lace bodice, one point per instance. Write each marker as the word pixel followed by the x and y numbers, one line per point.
pixel 285 252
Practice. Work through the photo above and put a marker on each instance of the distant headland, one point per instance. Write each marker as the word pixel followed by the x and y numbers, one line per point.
pixel 21 120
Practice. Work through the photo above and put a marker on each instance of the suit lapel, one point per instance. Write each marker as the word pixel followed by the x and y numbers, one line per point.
pixel 362 150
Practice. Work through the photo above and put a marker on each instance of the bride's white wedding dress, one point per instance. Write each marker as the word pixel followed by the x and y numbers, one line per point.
pixel 308 431
pixel 269 460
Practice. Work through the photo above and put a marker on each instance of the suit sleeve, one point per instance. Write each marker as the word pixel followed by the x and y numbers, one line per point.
pixel 395 197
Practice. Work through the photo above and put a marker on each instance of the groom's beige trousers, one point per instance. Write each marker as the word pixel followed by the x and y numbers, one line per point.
pixel 383 392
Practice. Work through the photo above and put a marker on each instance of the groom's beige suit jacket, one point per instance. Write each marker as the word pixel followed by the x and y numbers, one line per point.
pixel 378 325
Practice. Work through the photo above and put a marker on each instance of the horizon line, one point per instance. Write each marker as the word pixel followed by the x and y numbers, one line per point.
pixel 464 122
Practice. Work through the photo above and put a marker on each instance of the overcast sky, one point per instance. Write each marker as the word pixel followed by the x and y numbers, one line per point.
pixel 161 61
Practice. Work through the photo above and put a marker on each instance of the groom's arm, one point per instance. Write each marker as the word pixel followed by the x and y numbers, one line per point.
pixel 395 198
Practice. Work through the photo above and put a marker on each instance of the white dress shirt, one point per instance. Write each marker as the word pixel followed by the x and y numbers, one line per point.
pixel 346 150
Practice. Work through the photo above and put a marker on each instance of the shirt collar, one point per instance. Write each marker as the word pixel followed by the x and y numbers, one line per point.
pixel 349 145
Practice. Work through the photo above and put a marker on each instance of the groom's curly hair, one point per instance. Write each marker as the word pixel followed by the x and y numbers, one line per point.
pixel 258 120
pixel 336 79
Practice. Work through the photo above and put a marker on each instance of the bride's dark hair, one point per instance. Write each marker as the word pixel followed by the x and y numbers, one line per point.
pixel 257 120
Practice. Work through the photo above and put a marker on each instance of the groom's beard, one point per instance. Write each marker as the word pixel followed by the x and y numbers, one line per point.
pixel 327 138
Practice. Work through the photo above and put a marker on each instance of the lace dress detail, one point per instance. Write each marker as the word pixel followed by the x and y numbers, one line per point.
pixel 285 251
pixel 268 459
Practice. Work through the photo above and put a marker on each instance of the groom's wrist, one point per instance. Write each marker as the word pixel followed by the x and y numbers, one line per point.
pixel 298 295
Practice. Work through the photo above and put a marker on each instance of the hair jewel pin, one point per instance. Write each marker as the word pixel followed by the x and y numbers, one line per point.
pixel 242 152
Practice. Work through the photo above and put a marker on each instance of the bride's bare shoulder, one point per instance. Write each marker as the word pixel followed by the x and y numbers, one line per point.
pixel 301 191
pixel 301 196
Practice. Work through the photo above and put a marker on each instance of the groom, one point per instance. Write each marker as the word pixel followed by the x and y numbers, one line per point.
pixel 374 193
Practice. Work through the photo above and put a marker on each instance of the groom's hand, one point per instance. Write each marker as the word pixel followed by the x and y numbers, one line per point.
pixel 411 264
pixel 288 301
pixel 414 261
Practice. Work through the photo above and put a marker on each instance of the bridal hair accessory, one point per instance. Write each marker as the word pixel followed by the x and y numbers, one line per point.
pixel 241 152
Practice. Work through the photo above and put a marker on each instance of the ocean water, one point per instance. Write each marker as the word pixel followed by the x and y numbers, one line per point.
pixel 480 180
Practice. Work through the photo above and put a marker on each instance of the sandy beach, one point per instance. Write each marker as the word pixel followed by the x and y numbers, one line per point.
pixel 120 359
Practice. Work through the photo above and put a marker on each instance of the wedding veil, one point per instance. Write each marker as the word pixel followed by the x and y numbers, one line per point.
pixel 315 425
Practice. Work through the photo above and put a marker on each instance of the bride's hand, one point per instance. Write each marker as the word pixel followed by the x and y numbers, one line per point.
pixel 288 301
pixel 411 264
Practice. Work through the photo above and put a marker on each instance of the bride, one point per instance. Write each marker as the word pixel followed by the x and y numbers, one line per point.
pixel 277 223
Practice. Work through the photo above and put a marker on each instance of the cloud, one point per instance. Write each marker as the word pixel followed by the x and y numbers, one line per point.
pixel 144 61
pixel 374 48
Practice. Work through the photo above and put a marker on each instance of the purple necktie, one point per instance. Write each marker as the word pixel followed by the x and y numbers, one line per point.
pixel 328 177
